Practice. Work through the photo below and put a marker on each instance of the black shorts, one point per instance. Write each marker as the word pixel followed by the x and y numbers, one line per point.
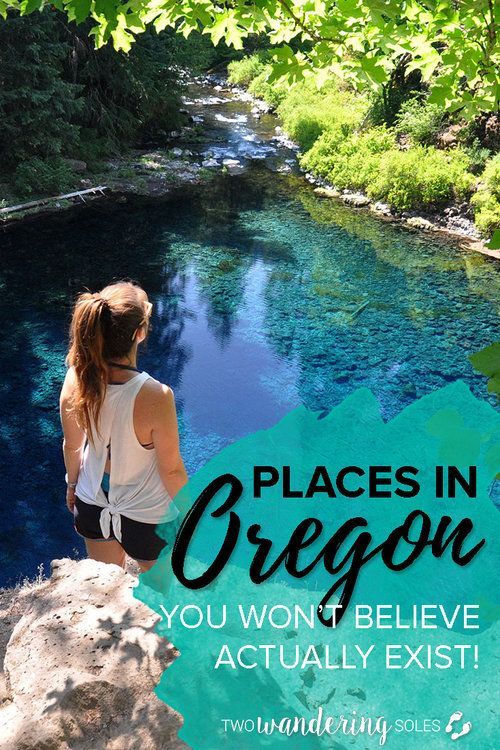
pixel 139 540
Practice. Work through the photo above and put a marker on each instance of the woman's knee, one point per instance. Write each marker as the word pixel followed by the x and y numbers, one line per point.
pixel 110 552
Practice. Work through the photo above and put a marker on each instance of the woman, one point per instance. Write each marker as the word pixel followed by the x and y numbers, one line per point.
pixel 121 442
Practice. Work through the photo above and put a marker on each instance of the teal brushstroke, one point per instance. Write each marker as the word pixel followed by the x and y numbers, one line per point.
pixel 447 426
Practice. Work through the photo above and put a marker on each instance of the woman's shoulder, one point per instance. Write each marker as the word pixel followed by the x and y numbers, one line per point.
pixel 154 393
pixel 69 384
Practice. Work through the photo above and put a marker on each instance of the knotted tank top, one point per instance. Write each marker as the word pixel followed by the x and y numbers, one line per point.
pixel 136 490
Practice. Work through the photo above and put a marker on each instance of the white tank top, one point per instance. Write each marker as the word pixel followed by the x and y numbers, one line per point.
pixel 135 487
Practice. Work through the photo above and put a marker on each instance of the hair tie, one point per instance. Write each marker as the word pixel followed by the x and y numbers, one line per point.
pixel 97 298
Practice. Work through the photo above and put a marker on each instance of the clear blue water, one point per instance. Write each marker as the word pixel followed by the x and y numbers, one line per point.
pixel 256 283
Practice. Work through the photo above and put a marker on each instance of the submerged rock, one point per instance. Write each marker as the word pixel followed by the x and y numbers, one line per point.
pixel 233 166
pixel 81 665
pixel 328 192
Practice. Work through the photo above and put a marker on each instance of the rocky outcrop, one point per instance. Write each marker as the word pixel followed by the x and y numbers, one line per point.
pixel 449 138
pixel 81 665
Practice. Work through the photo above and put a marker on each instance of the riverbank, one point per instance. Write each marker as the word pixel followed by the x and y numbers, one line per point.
pixel 227 130
pixel 149 173
pixel 191 155
pixel 421 172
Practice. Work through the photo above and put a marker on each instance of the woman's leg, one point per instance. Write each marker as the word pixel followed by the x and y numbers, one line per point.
pixel 109 551
pixel 145 564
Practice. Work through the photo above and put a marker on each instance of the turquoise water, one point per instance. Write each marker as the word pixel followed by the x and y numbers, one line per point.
pixel 266 296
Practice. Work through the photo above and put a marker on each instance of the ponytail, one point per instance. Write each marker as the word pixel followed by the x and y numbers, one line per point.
pixel 103 328
pixel 86 356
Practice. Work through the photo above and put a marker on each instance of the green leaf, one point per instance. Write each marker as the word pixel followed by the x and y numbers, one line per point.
pixel 28 6
pixel 487 362
pixel 106 8
pixel 349 8
pixel 374 70
pixel 78 10
pixel 494 243
pixel 439 95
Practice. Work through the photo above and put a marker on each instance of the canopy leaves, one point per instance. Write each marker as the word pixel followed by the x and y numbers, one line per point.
pixel 454 45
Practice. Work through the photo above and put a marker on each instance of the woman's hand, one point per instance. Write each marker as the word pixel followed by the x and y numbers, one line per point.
pixel 70 498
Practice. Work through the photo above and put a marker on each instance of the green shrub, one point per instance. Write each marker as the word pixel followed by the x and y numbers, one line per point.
pixel 486 211
pixel 306 112
pixel 370 161
pixel 349 160
pixel 491 176
pixel 242 72
pixel 304 129
pixel 419 120
pixel 272 93
pixel 323 155
pixel 329 126
pixel 422 177
pixel 478 155
pixel 486 201
pixel 42 177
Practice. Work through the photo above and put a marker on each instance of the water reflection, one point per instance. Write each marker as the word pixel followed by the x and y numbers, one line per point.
pixel 265 296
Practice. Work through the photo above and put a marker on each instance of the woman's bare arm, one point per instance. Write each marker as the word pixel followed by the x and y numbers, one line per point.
pixel 165 435
pixel 74 436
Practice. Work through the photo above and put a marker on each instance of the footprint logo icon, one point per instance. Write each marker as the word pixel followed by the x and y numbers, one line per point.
pixel 454 734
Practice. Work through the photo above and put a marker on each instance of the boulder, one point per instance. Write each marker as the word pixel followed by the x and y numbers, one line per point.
pixel 81 665
pixel 381 208
pixel 418 222
pixel 80 167
pixel 272 163
pixel 492 132
pixel 233 166
pixel 449 137
pixel 358 200
pixel 328 192
pixel 210 163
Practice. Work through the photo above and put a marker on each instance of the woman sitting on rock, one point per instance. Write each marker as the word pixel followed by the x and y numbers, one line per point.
pixel 121 442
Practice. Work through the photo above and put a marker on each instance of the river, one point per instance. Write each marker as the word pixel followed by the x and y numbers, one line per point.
pixel 266 296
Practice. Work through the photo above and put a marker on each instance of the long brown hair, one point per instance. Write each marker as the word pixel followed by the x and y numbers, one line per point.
pixel 103 328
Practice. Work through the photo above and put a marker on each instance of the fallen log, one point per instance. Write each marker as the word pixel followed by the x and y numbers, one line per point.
pixel 44 201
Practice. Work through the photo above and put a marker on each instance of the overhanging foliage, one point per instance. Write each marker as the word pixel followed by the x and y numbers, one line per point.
pixel 454 44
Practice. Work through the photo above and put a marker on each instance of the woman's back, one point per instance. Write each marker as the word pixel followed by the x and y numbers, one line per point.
pixel 121 443
pixel 136 489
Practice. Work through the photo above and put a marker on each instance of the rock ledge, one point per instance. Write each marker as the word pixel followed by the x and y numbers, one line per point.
pixel 81 665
